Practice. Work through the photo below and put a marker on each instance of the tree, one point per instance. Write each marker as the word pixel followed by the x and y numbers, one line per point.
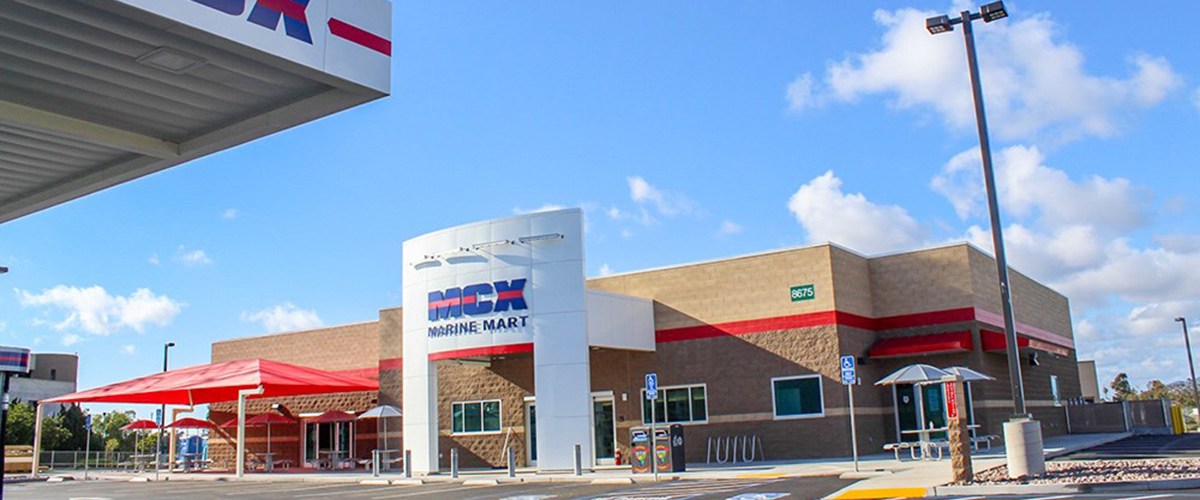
pixel 108 427
pixel 1155 390
pixel 1122 389
pixel 20 423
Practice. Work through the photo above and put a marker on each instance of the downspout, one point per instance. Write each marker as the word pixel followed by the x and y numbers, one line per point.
pixel 241 428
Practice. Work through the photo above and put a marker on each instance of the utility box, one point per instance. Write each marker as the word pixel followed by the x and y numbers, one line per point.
pixel 665 452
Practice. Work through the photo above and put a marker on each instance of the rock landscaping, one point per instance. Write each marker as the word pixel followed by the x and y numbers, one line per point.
pixel 1099 471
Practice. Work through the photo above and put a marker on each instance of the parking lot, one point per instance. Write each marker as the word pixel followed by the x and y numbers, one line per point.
pixel 1154 446
pixel 741 489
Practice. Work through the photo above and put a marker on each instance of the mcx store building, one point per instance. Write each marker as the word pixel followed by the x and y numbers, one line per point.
pixel 502 343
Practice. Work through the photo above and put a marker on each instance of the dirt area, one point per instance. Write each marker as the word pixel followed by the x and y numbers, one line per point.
pixel 1100 471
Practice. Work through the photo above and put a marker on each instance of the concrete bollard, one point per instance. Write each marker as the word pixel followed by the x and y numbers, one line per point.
pixel 1023 448
pixel 512 463
pixel 578 461
pixel 408 464
pixel 454 463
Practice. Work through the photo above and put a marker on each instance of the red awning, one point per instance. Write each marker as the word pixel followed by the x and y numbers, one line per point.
pixel 937 343
pixel 220 382
pixel 995 341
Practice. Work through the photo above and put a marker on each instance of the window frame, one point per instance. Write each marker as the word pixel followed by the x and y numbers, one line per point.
pixel 482 419
pixel 662 393
pixel 820 390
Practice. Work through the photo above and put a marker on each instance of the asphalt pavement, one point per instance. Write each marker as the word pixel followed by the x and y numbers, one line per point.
pixel 1153 446
pixel 1141 495
pixel 709 489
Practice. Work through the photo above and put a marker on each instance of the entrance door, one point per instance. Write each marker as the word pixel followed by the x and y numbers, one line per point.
pixel 329 441
pixel 934 409
pixel 604 441
pixel 906 411
pixel 531 433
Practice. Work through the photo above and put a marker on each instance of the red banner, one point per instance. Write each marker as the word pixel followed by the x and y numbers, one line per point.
pixel 951 401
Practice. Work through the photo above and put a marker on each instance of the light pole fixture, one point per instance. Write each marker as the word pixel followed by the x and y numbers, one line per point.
pixel 1191 366
pixel 1026 457
pixel 3 270
pixel 163 412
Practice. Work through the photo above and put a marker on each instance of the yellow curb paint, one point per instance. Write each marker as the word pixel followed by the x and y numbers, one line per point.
pixel 872 493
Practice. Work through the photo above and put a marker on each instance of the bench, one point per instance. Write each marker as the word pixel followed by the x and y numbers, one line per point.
pixel 975 441
pixel 896 447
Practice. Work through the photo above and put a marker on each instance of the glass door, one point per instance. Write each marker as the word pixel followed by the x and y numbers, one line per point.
pixel 531 432
pixel 906 411
pixel 328 441
pixel 934 407
pixel 604 441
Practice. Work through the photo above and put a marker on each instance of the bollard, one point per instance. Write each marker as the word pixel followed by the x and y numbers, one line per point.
pixel 512 463
pixel 408 464
pixel 578 461
pixel 454 463
pixel 375 463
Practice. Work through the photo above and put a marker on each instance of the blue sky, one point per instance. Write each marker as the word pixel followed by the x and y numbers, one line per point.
pixel 687 132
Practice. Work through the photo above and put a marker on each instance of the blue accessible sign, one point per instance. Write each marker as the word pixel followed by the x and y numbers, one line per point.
pixel 849 374
pixel 651 386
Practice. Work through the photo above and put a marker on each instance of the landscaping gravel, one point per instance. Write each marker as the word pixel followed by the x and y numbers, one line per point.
pixel 1100 471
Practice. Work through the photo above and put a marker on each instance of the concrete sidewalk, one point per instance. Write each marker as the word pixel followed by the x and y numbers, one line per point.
pixel 922 476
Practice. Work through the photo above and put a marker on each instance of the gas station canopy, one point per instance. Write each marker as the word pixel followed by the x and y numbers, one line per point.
pixel 94 93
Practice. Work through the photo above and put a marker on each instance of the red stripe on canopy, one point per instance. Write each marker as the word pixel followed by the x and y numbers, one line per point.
pixel 922 344
pixel 220 382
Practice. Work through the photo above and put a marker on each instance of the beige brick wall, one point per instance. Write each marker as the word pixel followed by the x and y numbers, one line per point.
pixel 851 282
pixel 922 281
pixel 346 347
pixel 1033 303
pixel 741 288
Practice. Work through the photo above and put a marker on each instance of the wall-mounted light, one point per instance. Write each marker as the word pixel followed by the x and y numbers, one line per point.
pixel 490 244
pixel 171 60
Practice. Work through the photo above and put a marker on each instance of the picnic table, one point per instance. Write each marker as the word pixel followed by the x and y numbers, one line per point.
pixel 927 445
pixel 331 460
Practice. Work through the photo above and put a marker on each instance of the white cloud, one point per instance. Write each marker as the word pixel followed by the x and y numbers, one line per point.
pixel 615 213
pixel 70 339
pixel 95 311
pixel 1028 188
pixel 665 203
pixel 801 93
pixel 828 214
pixel 153 260
pixel 548 207
pixel 128 349
pixel 626 234
pixel 729 227
pixel 229 214
pixel 284 317
pixel 605 270
pixel 192 258
pixel 1196 98
pixel 1035 83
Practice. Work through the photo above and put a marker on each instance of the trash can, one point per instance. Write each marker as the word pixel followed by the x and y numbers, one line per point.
pixel 668 450
pixel 640 459
pixel 665 452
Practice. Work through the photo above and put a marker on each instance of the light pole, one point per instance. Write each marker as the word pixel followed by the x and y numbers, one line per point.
pixel 1022 434
pixel 163 412
pixel 1191 366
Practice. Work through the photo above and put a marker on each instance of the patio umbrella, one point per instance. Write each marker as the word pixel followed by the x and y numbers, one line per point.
pixel 382 412
pixel 267 419
pixel 968 374
pixel 137 426
pixel 334 416
pixel 914 374
pixel 191 423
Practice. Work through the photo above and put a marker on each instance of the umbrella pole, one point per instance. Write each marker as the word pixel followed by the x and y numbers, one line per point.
pixel 268 439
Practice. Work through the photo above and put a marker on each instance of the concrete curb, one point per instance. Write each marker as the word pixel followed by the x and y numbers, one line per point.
pixel 613 480
pixel 1041 489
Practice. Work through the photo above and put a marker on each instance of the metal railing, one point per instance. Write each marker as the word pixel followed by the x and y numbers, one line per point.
pixel 73 460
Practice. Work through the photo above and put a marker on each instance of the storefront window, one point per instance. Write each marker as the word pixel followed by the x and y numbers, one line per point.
pixel 1054 389
pixel 475 417
pixel 677 405
pixel 797 397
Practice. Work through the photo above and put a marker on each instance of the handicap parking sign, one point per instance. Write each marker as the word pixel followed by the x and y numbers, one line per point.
pixel 849 375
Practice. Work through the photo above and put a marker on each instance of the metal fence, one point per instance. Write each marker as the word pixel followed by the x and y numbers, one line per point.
pixel 1139 417
pixel 95 460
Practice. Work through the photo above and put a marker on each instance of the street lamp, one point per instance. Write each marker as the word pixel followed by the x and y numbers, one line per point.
pixel 1187 342
pixel 1026 458
pixel 3 270
pixel 163 412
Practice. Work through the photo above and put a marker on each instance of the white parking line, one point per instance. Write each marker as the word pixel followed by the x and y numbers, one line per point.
pixel 1053 497
pixel 1148 497
pixel 287 487
pixel 425 491
pixel 349 489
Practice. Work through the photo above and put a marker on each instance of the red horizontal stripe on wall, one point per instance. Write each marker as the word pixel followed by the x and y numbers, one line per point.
pixel 746 327
pixel 925 319
pixel 391 364
pixel 482 351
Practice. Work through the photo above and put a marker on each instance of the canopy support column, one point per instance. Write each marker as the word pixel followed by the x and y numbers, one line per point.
pixel 37 438
pixel 241 428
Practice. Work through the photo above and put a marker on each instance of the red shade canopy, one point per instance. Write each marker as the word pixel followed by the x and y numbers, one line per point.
pixel 937 343
pixel 138 425
pixel 220 382
pixel 334 416
pixel 191 423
